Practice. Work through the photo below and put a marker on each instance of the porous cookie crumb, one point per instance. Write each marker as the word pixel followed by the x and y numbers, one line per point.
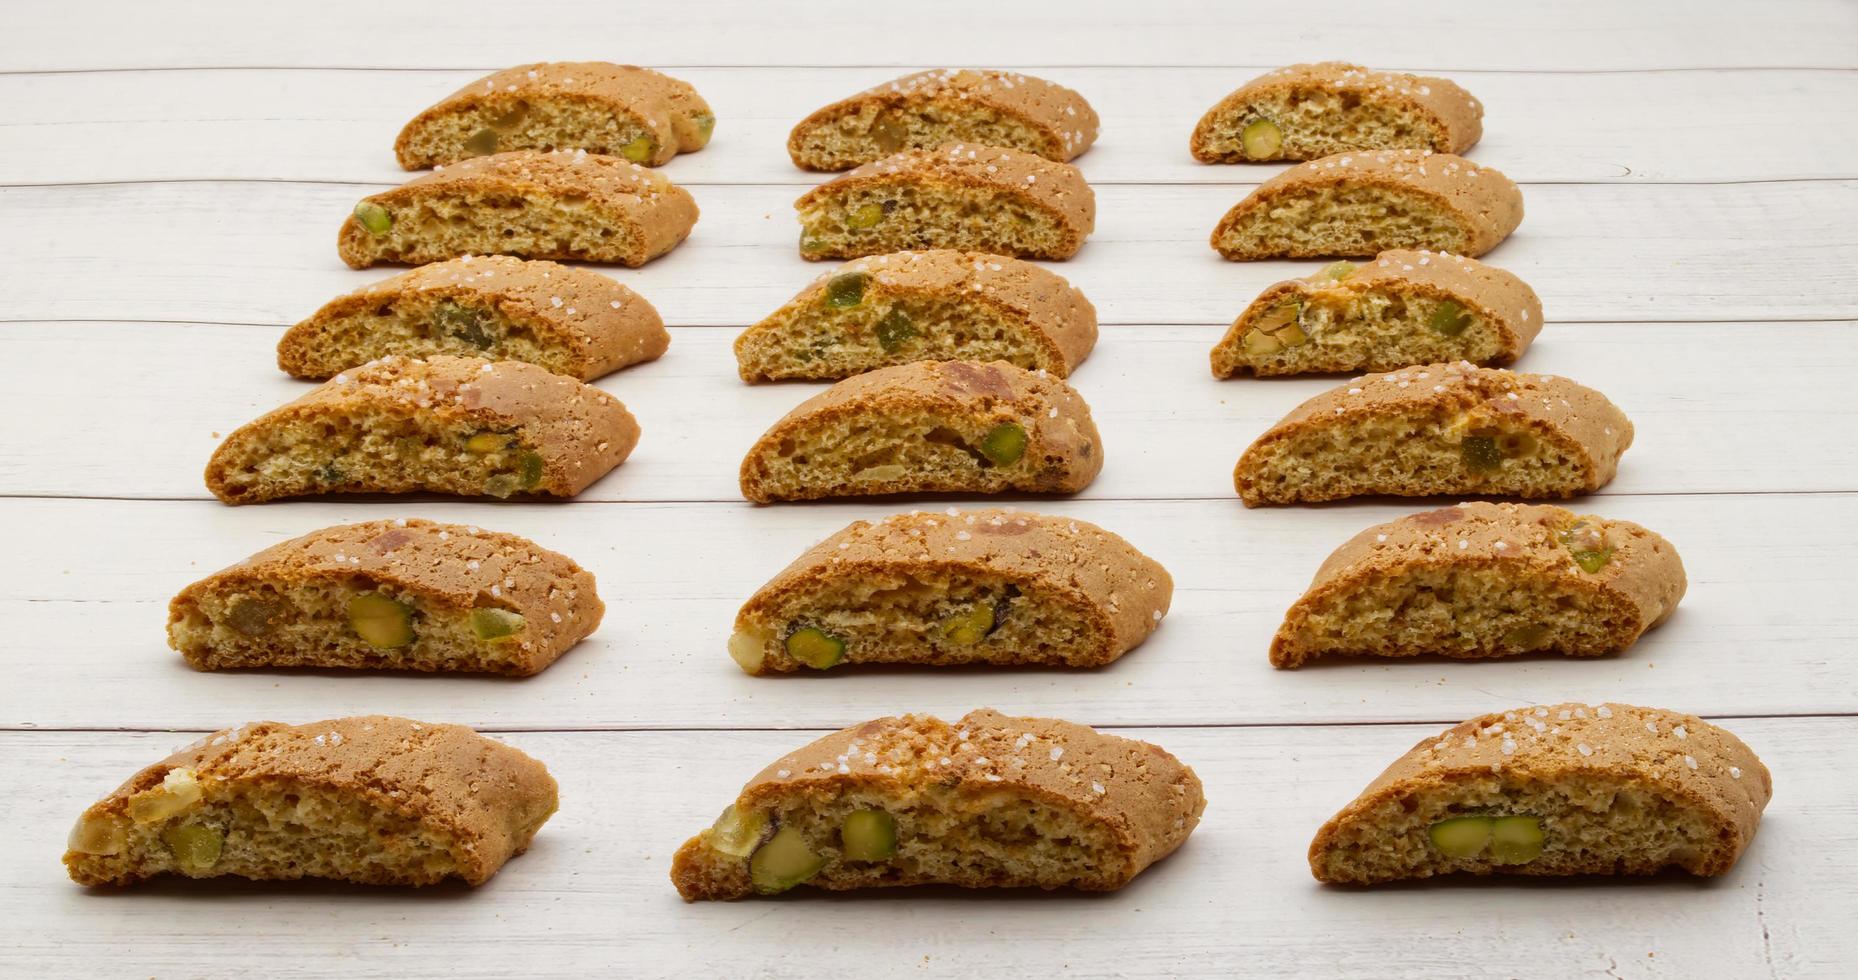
pixel 1307 111
pixel 990 801
pixel 948 105
pixel 935 305
pixel 955 587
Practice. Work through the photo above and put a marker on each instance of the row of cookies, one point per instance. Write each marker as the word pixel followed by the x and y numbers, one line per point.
pixel 988 801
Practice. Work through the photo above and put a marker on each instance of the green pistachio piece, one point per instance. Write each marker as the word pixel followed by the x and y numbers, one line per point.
pixel 485 443
pixel 738 834
pixel 783 862
pixel 195 848
pixel 1461 837
pixel 846 290
pixel 1338 270
pixel 373 218
pixel 383 622
pixel 1261 344
pixel 1291 335
pixel 639 150
pixel 1593 561
pixel 868 835
pixel 1279 317
pixel 1449 319
pixel 1004 444
pixel 865 216
pixel 482 143
pixel 1481 454
pixel 1261 139
pixel 815 647
pixel 495 624
pixel 529 469
pixel 969 627
pixel 706 126
pixel 451 319
pixel 1586 541
pixel 1515 840
pixel 808 244
pixel 894 330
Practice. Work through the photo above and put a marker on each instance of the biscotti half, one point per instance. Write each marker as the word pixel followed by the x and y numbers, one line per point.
pixel 931 426
pixel 615 110
pixel 570 320
pixel 990 801
pixel 1403 307
pixel 1307 111
pixel 937 305
pixel 403 594
pixel 1483 580
pixel 1438 429
pixel 1358 204
pixel 1001 587
pixel 373 800
pixel 959 195
pixel 565 205
pixel 949 105
pixel 459 425
pixel 1563 789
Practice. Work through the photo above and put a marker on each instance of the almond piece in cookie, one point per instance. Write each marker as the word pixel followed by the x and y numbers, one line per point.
pixel 1484 580
pixel 966 196
pixel 1353 205
pixel 616 110
pixel 922 306
pixel 1402 307
pixel 1438 429
pixel 1313 110
pixel 944 589
pixel 373 800
pixel 990 801
pixel 930 426
pixel 570 320
pixel 567 206
pixel 390 595
pixel 1561 789
pixel 459 425
pixel 929 108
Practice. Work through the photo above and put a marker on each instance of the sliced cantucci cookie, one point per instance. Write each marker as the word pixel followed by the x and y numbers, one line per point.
pixel 1564 789
pixel 1437 429
pixel 997 587
pixel 937 305
pixel 918 801
pixel 403 594
pixel 1354 205
pixel 1307 111
pixel 1403 307
pixel 570 320
pixel 373 800
pixel 615 110
pixel 459 425
pixel 959 195
pixel 930 426
pixel 565 205
pixel 1483 580
pixel 949 105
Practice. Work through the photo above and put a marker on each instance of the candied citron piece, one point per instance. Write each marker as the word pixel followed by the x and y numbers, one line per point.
pixel 1449 318
pixel 384 622
pixel 894 330
pixel 846 290
pixel 1481 454
pixel 737 833
pixel 195 847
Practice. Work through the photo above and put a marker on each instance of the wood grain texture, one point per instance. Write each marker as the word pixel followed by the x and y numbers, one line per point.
pixel 339 125
pixel 592 895
pixel 265 253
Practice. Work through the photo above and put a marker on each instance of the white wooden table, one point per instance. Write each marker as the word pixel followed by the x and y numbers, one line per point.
pixel 171 178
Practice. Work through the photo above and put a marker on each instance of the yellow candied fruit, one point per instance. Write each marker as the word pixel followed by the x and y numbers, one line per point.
pixel 178 791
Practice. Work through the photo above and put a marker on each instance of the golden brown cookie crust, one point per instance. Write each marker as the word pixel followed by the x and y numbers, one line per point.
pixel 656 213
pixel 456 565
pixel 1126 592
pixel 1064 118
pixel 664 106
pixel 579 431
pixel 1058 426
pixel 1058 317
pixel 1454 114
pixel 1644 570
pixel 1055 188
pixel 1679 754
pixel 1150 800
pixel 1495 295
pixel 1551 406
pixel 485 797
pixel 604 325
pixel 1486 203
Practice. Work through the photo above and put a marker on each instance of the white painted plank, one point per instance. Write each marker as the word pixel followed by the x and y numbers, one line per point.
pixel 1578 35
pixel 265 253
pixel 1765 629
pixel 592 896
pixel 1717 407
pixel 296 124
